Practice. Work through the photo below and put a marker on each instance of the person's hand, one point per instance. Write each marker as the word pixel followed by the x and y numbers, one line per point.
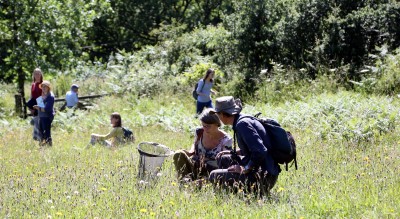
pixel 235 169
pixel 36 107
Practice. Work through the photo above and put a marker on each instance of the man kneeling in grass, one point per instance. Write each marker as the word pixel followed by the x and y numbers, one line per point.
pixel 255 169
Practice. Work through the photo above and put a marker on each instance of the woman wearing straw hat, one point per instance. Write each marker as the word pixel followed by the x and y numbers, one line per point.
pixel 45 107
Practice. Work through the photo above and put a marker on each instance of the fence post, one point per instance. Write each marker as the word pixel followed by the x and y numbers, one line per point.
pixel 18 104
pixel 20 108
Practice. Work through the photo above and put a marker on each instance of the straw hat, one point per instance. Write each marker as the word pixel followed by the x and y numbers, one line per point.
pixel 45 83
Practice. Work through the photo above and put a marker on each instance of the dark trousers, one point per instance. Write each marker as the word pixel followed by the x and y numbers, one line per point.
pixel 200 106
pixel 258 182
pixel 45 128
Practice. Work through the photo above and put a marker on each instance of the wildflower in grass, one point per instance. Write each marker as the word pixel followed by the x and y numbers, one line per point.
pixel 59 213
pixel 50 201
pixel 152 214
pixel 366 158
pixel 172 203
pixel 76 192
pixel 281 189
pixel 173 183
pixel 103 189
pixel 143 210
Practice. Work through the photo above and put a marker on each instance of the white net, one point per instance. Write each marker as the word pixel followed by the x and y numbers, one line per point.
pixel 152 156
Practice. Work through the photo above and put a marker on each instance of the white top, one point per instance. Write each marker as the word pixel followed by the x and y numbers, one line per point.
pixel 71 98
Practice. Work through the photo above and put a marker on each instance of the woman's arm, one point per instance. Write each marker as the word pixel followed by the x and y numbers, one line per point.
pixel 111 134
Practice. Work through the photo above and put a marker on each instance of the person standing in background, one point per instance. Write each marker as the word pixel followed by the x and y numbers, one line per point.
pixel 36 91
pixel 204 91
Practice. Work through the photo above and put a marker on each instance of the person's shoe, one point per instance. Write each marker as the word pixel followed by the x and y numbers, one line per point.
pixel 42 143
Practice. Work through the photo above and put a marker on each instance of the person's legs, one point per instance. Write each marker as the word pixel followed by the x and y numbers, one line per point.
pixel 209 104
pixel 223 179
pixel 183 163
pixel 199 107
pixel 268 182
pixel 252 182
pixel 37 134
pixel 45 124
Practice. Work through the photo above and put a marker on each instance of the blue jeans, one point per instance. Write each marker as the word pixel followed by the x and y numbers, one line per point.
pixel 45 128
pixel 200 106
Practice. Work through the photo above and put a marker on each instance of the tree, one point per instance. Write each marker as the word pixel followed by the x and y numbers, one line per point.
pixel 258 27
pixel 43 33
pixel 131 23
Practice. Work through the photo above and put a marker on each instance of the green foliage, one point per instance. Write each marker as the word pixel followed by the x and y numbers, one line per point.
pixel 7 106
pixel 384 77
pixel 134 24
pixel 343 116
pixel 46 34
pixel 258 27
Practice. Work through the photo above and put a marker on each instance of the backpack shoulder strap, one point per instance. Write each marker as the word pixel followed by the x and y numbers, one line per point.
pixel 234 132
pixel 199 135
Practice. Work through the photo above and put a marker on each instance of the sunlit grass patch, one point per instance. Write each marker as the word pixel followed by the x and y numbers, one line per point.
pixel 338 177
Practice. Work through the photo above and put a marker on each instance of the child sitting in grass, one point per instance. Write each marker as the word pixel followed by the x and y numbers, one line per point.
pixel 115 137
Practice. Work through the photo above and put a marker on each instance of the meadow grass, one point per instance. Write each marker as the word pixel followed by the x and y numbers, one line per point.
pixel 347 153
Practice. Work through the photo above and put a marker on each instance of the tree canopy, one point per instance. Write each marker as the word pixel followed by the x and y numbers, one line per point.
pixel 299 34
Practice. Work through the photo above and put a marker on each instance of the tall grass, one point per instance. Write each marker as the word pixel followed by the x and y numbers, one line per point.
pixel 338 177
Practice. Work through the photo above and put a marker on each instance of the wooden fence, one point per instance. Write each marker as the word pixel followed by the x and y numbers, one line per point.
pixel 20 103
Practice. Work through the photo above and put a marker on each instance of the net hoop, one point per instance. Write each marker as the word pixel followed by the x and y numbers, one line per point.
pixel 157 150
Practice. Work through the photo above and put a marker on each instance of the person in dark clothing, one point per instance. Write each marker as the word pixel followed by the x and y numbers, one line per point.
pixel 254 169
